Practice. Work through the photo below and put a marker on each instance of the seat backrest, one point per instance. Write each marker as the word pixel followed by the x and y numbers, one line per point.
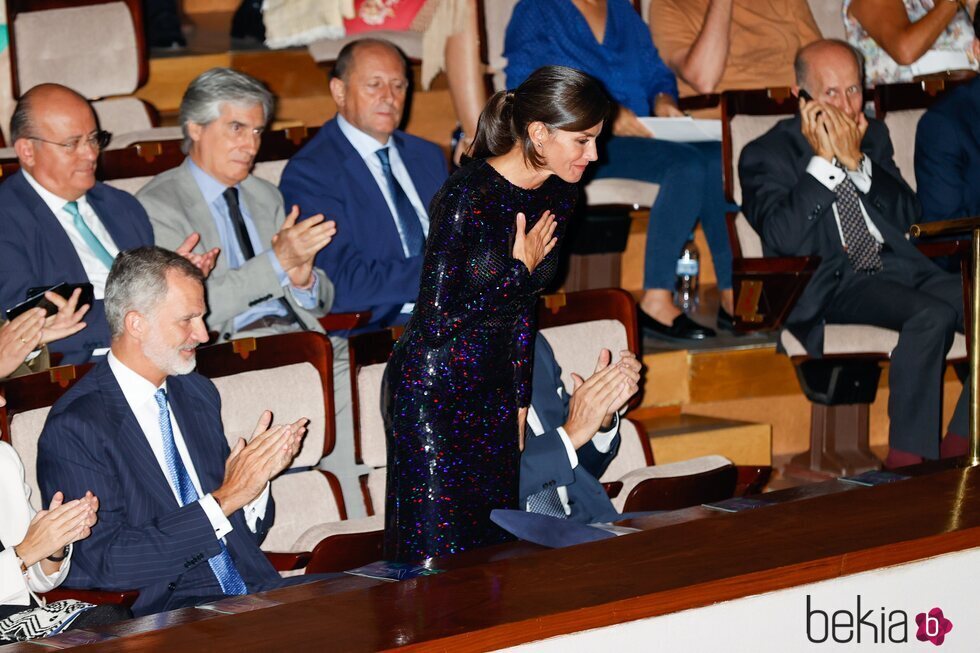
pixel 747 115
pixel 122 115
pixel 131 185
pixel 634 452
pixel 369 354
pixel 29 400
pixel 290 374
pixel 577 346
pixel 829 17
pixel 901 106
pixel 46 42
pixel 303 499
pixel 271 171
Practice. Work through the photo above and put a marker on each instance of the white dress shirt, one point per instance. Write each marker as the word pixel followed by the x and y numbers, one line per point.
pixel 830 176
pixel 15 517
pixel 367 146
pixel 94 267
pixel 601 440
pixel 140 395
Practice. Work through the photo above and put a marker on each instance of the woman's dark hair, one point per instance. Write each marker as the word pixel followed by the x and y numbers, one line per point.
pixel 560 97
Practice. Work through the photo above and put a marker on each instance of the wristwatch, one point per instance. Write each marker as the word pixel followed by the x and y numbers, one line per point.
pixel 64 554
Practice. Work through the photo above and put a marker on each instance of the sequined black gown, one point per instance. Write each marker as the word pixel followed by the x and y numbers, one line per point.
pixel 461 369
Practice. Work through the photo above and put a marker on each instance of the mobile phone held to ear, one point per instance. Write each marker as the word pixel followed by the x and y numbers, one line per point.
pixel 36 298
pixel 806 96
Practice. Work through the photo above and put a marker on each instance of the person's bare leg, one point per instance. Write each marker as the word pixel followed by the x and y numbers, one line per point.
pixel 465 72
pixel 728 301
pixel 659 304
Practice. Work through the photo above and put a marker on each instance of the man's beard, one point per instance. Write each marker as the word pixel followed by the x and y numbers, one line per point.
pixel 168 359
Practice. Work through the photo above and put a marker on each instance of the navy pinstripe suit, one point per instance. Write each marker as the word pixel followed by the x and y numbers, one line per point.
pixel 144 540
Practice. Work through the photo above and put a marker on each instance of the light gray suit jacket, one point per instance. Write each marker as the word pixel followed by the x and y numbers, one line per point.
pixel 176 208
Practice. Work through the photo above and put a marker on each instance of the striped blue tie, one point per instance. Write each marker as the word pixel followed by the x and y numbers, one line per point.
pixel 222 565
pixel 101 253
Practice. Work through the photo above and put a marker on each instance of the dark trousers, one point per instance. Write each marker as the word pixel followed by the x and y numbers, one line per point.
pixel 925 305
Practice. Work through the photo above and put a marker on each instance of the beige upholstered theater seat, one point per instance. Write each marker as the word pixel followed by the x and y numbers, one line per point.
pixel 304 495
pixel 829 17
pixel 844 339
pixel 131 185
pixel 577 346
pixel 25 429
pixel 271 171
pixel 670 470
pixel 902 126
pixel 612 191
pixel 748 240
pixel 744 130
pixel 316 534
pixel 371 435
pixel 58 45
pixel 326 50
pixel 143 135
pixel 630 456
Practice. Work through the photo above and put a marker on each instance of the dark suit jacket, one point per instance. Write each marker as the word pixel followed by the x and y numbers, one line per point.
pixel 792 213
pixel 144 540
pixel 36 251
pixel 544 462
pixel 947 155
pixel 365 260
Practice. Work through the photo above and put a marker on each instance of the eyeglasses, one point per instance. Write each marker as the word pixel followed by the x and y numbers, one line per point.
pixel 98 141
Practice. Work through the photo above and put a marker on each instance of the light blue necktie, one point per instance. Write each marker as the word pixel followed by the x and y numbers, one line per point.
pixel 222 565
pixel 90 238
pixel 408 219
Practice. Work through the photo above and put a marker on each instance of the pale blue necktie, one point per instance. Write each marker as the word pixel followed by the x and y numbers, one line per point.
pixel 90 238
pixel 222 565
pixel 408 219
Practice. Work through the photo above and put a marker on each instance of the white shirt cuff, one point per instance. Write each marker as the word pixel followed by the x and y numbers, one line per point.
pixel 825 172
pixel 256 510
pixel 569 447
pixel 306 297
pixel 219 522
pixel 603 439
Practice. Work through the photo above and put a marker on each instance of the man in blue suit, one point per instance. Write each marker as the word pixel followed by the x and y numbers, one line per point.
pixel 57 224
pixel 570 440
pixel 181 517
pixel 947 155
pixel 375 181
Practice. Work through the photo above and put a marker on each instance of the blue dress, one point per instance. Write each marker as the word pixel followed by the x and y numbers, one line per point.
pixel 462 367
pixel 554 32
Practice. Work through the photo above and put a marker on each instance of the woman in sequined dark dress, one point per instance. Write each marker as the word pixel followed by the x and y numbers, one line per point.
pixel 459 380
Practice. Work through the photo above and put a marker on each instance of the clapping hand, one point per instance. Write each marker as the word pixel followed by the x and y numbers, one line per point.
pixel 53 529
pixel 67 321
pixel 595 400
pixel 203 262
pixel 530 247
pixel 297 243
pixel 251 465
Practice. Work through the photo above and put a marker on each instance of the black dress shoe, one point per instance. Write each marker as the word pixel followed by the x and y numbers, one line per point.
pixel 725 320
pixel 682 329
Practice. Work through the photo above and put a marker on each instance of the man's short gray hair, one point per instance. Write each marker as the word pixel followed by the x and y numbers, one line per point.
pixel 204 96
pixel 138 282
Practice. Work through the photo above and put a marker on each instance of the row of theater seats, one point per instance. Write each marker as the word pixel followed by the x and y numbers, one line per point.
pixel 291 375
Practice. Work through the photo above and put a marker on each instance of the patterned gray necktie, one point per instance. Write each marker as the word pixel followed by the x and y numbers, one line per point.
pixel 546 502
pixel 861 247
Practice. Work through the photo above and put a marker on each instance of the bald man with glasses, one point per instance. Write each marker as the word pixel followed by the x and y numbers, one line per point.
pixel 57 223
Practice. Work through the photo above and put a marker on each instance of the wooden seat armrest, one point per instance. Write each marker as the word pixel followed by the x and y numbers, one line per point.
pixel 613 488
pixel 937 248
pixel 344 321
pixel 344 551
pixel 124 598
pixel 766 289
pixel 696 102
pixel 676 492
pixel 752 479
pixel 288 561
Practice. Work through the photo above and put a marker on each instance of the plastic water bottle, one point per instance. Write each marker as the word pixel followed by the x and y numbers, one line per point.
pixel 686 285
